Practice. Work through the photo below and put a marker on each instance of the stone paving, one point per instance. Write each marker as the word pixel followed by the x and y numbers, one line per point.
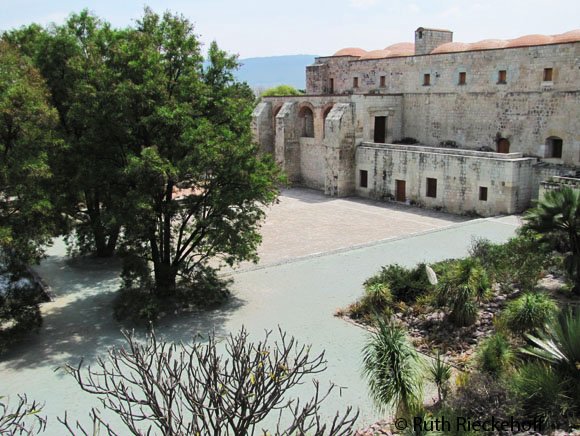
pixel 306 222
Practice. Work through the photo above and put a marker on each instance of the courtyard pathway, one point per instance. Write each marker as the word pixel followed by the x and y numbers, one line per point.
pixel 299 296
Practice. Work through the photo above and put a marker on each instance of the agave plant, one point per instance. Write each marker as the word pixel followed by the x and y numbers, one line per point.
pixel 559 344
pixel 393 369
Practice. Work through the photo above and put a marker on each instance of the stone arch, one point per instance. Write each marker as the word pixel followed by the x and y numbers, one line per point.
pixel 306 118
pixel 554 145
pixel 325 111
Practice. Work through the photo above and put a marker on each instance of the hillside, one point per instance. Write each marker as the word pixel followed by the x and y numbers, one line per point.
pixel 267 72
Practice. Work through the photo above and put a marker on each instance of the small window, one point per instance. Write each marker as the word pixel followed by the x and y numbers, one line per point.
pixel 331 86
pixel 364 178
pixel 431 187
pixel 426 79
pixel 482 193
pixel 462 78
pixel 548 74
pixel 502 77
pixel 383 81
pixel 420 34
pixel 355 82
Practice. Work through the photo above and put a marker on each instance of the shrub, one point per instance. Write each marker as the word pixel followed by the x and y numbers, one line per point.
pixel 392 369
pixel 229 386
pixel 483 396
pixel 406 284
pixel 529 312
pixel 519 262
pixel 462 283
pixel 376 301
pixel 19 306
pixel 495 355
pixel 543 394
pixel 140 305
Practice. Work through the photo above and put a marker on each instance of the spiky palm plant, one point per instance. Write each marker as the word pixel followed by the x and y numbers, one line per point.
pixel 440 373
pixel 558 213
pixel 461 286
pixel 559 346
pixel 393 369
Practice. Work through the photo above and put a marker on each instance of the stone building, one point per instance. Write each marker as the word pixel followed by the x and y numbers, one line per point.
pixel 467 128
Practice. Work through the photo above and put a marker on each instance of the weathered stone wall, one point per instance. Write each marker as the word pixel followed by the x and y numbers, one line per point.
pixel 459 177
pixel 525 110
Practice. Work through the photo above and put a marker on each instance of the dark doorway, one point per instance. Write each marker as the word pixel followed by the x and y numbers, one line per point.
pixel 503 146
pixel 364 179
pixel 380 129
pixel 400 190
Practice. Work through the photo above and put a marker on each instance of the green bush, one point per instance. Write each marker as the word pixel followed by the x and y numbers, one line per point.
pixel 140 304
pixel 462 283
pixel 494 355
pixel 20 314
pixel 406 284
pixel 529 312
pixel 543 393
pixel 376 301
pixel 519 262
pixel 281 90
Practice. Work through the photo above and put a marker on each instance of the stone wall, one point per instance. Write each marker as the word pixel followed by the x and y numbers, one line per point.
pixel 459 175
pixel 525 110
pixel 426 40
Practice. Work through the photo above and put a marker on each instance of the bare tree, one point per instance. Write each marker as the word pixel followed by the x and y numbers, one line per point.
pixel 208 388
pixel 24 419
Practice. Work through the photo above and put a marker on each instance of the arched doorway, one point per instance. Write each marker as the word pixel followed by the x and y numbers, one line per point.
pixel 306 117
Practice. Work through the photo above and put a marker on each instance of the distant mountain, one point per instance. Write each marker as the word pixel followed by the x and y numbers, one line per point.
pixel 272 71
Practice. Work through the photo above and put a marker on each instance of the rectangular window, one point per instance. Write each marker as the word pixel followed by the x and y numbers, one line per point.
pixel 462 78
pixel 557 148
pixel 355 82
pixel 364 178
pixel 383 81
pixel 548 73
pixel 331 86
pixel 431 187
pixel 426 79
pixel 482 193
pixel 502 77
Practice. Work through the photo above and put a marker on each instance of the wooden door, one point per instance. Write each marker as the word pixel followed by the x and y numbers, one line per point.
pixel 503 146
pixel 400 190
pixel 380 129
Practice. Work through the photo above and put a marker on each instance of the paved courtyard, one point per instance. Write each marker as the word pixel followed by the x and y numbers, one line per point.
pixel 306 222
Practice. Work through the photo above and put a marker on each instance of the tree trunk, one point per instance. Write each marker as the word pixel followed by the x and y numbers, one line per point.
pixel 165 279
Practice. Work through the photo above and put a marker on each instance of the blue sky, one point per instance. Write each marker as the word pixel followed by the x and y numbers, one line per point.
pixel 264 28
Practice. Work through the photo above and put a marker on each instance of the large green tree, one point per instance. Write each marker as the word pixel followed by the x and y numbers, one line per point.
pixel 26 140
pixel 75 59
pixel 557 216
pixel 197 182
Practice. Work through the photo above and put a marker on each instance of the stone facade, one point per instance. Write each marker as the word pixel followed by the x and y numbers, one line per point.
pixel 499 115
